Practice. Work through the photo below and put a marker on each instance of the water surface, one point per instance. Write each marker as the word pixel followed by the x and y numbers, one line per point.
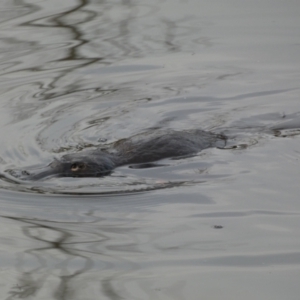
pixel 223 224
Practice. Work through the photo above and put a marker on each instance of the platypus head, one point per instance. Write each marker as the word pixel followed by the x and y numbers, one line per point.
pixel 84 164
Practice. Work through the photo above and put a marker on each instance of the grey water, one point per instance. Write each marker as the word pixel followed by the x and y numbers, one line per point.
pixel 223 224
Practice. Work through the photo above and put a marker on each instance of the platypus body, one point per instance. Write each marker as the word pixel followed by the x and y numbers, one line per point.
pixel 142 148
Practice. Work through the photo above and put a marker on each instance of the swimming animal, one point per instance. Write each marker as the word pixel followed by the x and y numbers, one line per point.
pixel 142 148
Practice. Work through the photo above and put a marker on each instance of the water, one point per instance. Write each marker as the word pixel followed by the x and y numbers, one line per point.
pixel 223 224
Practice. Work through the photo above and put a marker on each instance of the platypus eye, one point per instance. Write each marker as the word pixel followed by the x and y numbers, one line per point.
pixel 77 166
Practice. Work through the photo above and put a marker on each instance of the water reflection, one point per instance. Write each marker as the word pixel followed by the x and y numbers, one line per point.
pixel 87 33
pixel 73 57
pixel 64 252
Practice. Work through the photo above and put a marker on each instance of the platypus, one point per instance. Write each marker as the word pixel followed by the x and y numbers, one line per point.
pixel 142 148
